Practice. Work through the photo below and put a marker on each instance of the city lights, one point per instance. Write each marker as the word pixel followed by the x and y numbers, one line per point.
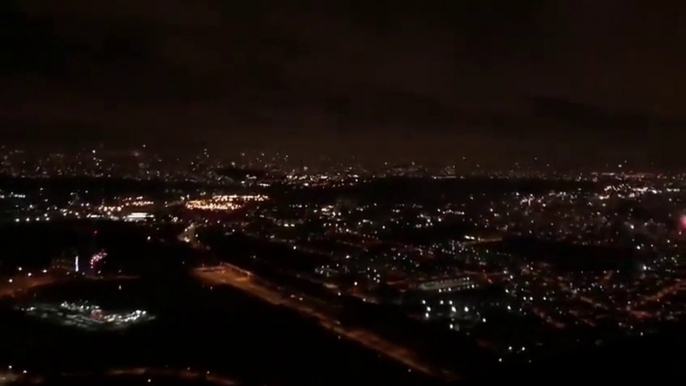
pixel 223 202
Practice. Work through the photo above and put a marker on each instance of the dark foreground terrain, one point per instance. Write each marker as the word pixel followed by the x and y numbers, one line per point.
pixel 217 330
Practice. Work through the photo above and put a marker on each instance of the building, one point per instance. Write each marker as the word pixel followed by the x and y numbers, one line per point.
pixel 65 264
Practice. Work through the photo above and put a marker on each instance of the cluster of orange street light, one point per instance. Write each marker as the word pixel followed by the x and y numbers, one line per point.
pixel 223 202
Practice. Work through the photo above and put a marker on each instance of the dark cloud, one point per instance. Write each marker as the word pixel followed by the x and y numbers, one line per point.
pixel 27 44
pixel 599 119
pixel 520 77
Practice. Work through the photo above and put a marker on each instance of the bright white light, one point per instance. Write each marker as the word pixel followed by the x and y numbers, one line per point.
pixel 137 216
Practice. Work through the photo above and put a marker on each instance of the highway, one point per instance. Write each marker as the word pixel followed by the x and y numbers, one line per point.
pixel 249 283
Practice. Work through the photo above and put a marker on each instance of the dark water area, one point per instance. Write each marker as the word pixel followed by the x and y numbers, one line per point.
pixel 216 329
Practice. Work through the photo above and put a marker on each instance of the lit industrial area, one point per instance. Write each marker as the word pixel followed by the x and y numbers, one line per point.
pixel 86 316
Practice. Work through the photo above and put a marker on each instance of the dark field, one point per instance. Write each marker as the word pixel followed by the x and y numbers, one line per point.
pixel 214 329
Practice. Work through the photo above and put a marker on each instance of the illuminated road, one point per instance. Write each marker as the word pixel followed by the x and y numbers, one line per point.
pixel 667 291
pixel 8 377
pixel 548 319
pixel 671 290
pixel 186 374
pixel 19 284
pixel 248 282
pixel 487 240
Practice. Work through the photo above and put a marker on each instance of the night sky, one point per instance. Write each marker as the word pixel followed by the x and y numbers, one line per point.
pixel 572 82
